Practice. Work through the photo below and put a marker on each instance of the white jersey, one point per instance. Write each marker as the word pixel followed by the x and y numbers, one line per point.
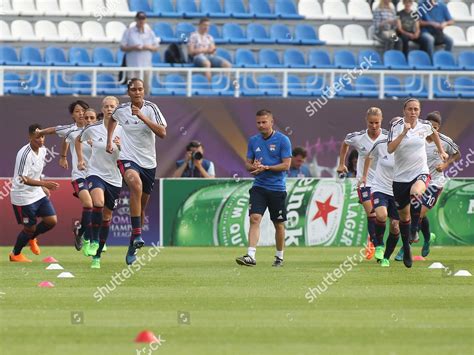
pixel 86 152
pixel 138 140
pixel 451 148
pixel 383 165
pixel 363 144
pixel 28 164
pixel 63 130
pixel 101 163
pixel 410 155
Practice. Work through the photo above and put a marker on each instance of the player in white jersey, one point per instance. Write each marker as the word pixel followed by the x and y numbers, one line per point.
pixel 406 140
pixel 382 198
pixel 363 141
pixel 30 195
pixel 103 176
pixel 77 110
pixel 432 193
pixel 141 121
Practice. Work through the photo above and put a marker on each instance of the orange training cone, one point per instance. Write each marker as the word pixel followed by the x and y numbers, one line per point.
pixel 49 259
pixel 46 284
pixel 146 336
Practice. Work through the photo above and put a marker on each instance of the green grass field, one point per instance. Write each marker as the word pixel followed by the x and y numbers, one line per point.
pixel 235 310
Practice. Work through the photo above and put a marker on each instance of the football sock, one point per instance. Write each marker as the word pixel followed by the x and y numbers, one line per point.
pixel 392 241
pixel 279 254
pixel 405 232
pixel 86 223
pixel 371 229
pixel 379 231
pixel 251 252
pixel 97 214
pixel 22 239
pixel 40 229
pixel 104 233
pixel 136 228
pixel 425 228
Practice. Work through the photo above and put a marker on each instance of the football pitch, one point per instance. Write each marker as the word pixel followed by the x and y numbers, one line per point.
pixel 199 301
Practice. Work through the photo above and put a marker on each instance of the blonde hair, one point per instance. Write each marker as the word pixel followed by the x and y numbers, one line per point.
pixel 111 98
pixel 374 111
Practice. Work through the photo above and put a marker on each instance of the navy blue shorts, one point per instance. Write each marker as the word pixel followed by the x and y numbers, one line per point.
pixel 401 190
pixel 364 194
pixel 26 215
pixel 275 201
pixel 431 195
pixel 111 192
pixel 379 199
pixel 78 185
pixel 146 175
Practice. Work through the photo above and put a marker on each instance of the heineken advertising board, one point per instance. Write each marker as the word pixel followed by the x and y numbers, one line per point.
pixel 321 212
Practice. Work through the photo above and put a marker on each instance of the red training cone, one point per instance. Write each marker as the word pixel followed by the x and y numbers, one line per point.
pixel 418 258
pixel 46 284
pixel 146 336
pixel 49 259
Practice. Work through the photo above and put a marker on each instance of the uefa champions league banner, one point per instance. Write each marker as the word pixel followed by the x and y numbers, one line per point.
pixel 68 209
pixel 321 212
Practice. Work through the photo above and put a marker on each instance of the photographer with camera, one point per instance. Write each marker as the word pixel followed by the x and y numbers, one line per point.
pixel 194 164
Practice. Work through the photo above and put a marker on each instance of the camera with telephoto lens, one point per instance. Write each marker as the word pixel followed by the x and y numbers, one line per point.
pixel 197 155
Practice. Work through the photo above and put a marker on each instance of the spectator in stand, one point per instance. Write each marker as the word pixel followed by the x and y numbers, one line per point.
pixel 434 18
pixel 352 163
pixel 408 27
pixel 298 168
pixel 202 49
pixel 194 164
pixel 139 42
pixel 385 25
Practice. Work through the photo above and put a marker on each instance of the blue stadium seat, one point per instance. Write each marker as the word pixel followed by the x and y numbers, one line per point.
pixel 394 59
pixel 344 60
pixel 183 31
pixel 224 53
pixel 269 85
pixel 13 84
pixel 120 57
pixel 221 85
pixel 233 33
pixel 31 56
pixel 366 87
pixel 257 33
pixel 315 85
pixel 80 57
pixel 248 87
pixel 55 56
pixel 157 61
pixel 175 85
pixel 293 58
pixel 261 9
pixel 415 87
pixel 286 9
pixel 464 87
pixel 108 85
pixel 141 5
pixel 368 56
pixel 319 59
pixel 296 87
pixel 444 88
pixel 268 58
pixel 188 8
pixel 164 8
pixel 236 9
pixel 419 60
pixel 37 83
pixel 165 32
pixel 305 34
pixel 393 87
pixel 348 90
pixel 444 60
pixel 466 60
pixel 201 86
pixel 244 58
pixel 212 8
pixel 8 56
pixel 281 34
pixel 81 84
pixel 104 57
pixel 214 32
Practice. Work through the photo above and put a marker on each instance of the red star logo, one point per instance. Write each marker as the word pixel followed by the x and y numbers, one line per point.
pixel 324 208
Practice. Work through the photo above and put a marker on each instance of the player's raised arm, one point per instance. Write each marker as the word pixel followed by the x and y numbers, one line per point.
pixel 342 168
pixel 157 128
pixel 63 158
